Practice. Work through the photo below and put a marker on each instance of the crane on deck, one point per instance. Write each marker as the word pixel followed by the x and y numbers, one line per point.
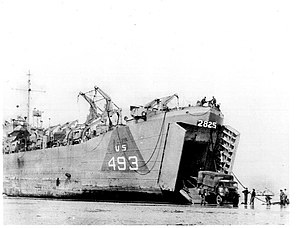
pixel 162 103
pixel 94 97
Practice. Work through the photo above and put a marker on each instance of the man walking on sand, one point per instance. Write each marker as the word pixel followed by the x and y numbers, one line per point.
pixel 253 194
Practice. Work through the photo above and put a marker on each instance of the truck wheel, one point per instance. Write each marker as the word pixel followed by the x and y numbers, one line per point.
pixel 236 202
pixel 210 199
pixel 219 200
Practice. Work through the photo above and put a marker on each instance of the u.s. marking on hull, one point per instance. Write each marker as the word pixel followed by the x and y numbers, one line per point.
pixel 123 154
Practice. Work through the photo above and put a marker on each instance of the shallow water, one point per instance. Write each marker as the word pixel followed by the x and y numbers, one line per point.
pixel 32 211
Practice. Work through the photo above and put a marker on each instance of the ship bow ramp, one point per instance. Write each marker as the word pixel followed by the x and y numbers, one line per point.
pixel 195 142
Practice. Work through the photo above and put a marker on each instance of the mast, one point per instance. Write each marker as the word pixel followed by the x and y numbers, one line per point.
pixel 28 96
pixel 29 90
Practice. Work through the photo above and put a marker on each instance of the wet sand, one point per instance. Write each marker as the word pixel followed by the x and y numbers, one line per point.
pixel 32 211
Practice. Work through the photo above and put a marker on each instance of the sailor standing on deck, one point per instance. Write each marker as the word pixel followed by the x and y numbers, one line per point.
pixel 203 101
pixel 212 102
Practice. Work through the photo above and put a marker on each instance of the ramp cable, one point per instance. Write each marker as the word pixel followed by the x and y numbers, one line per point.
pixel 245 187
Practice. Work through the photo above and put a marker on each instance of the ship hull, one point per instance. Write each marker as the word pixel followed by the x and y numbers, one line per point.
pixel 143 160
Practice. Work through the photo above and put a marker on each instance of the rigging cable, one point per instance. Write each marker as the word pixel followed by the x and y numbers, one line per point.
pixel 245 187
pixel 100 141
pixel 238 180
pixel 159 137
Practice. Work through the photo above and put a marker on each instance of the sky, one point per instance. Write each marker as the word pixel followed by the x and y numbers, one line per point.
pixel 242 52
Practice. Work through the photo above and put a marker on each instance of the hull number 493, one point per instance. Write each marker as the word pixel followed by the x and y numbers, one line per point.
pixel 121 163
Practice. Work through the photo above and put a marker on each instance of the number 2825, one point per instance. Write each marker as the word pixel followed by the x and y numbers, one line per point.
pixel 208 124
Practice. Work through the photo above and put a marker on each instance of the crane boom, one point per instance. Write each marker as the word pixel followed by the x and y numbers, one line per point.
pixel 109 109
pixel 93 108
pixel 161 102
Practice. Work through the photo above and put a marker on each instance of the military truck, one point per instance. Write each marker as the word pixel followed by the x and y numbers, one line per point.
pixel 220 188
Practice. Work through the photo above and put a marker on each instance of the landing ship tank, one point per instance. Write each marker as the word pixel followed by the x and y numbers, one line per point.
pixel 155 154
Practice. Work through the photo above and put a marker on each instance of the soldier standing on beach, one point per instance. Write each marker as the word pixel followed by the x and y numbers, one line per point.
pixel 286 196
pixel 246 192
pixel 282 198
pixel 253 194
